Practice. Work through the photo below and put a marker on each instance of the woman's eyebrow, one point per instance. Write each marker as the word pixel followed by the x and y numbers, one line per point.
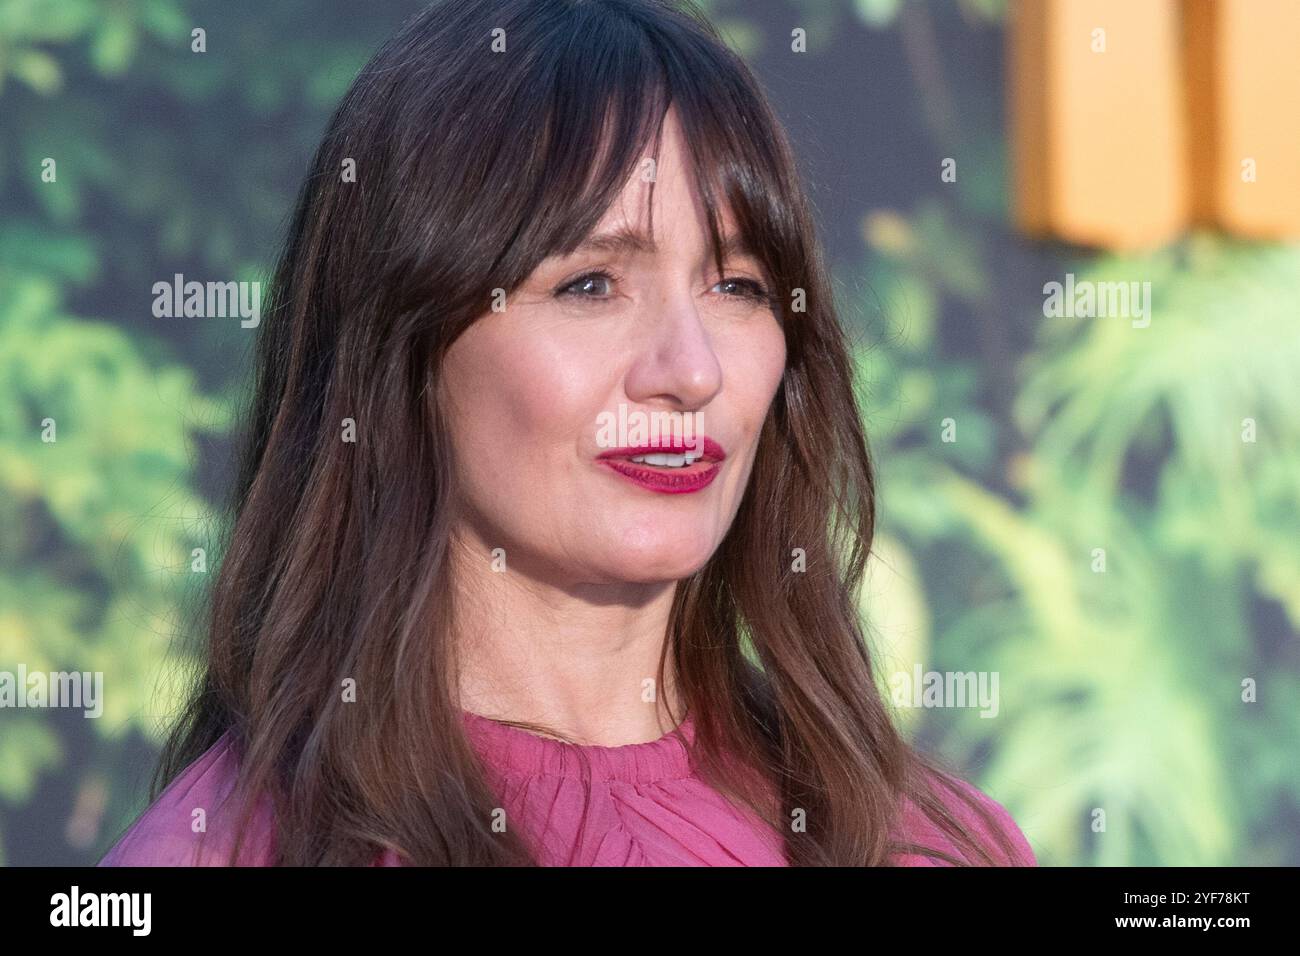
pixel 620 240
pixel 631 241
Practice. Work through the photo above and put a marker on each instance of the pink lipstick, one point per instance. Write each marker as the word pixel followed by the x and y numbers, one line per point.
pixel 670 467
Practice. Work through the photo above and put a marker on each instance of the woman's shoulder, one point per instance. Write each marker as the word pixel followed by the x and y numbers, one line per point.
pixel 919 829
pixel 192 821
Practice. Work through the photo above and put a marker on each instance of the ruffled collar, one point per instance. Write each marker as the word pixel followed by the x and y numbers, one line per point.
pixel 514 750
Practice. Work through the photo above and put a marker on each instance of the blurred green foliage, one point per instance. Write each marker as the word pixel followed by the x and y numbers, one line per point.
pixel 1122 686
pixel 165 161
pixel 1121 691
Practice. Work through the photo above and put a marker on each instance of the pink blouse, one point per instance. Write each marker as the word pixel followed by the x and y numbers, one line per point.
pixel 634 805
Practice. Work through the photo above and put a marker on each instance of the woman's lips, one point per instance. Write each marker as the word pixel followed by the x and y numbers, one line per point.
pixel 695 476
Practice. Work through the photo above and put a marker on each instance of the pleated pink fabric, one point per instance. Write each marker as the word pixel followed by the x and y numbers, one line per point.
pixel 635 805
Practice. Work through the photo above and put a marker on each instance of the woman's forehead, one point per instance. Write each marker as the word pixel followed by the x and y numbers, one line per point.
pixel 641 219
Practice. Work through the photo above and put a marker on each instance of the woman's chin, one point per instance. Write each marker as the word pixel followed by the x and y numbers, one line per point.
pixel 652 563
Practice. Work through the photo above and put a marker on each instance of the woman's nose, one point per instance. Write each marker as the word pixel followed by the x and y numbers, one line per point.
pixel 676 362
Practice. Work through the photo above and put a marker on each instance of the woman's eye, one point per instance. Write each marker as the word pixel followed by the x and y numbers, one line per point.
pixel 599 285
pixel 744 288
pixel 593 285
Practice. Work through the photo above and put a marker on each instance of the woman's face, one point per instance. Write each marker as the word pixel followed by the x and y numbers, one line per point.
pixel 551 399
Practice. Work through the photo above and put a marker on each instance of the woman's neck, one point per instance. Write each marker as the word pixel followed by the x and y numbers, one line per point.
pixel 581 659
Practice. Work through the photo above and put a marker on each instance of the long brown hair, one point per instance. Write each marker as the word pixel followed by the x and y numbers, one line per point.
pixel 472 165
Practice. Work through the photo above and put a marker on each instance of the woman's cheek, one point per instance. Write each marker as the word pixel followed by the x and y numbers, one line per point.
pixel 753 367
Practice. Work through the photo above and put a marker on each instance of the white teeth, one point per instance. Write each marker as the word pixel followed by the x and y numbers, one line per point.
pixel 666 460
